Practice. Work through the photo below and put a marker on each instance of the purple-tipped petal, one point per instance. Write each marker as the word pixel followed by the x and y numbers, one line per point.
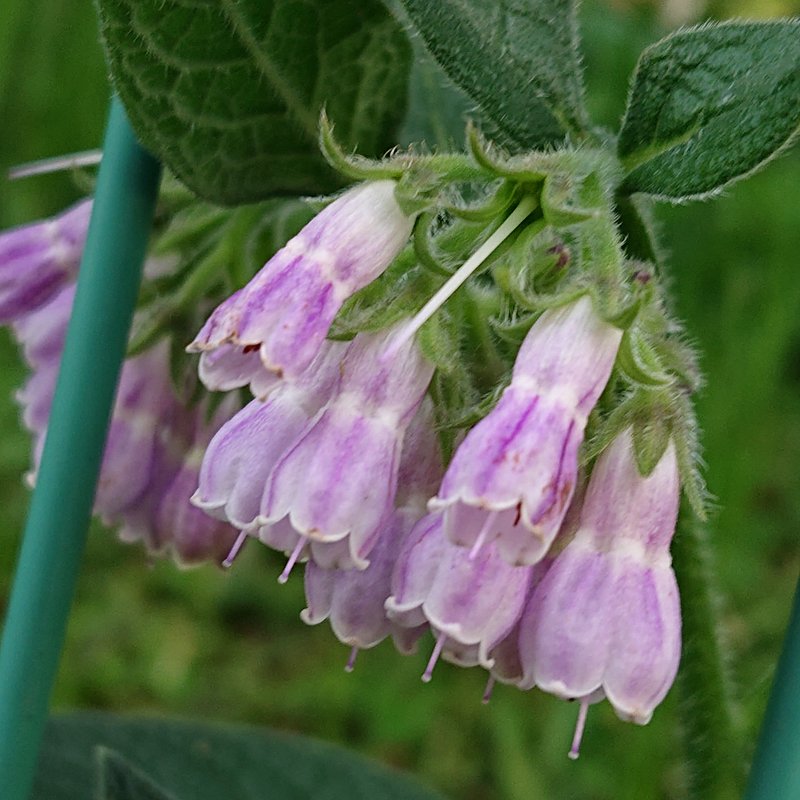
pixel 231 366
pixel 245 450
pixel 476 600
pixel 42 332
pixel 566 631
pixel 415 570
pixel 337 480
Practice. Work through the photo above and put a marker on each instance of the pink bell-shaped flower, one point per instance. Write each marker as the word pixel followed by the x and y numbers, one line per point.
pixel 606 616
pixel 284 313
pixel 513 476
pixel 339 478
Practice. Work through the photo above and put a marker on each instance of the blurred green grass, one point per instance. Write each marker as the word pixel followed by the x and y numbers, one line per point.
pixel 147 637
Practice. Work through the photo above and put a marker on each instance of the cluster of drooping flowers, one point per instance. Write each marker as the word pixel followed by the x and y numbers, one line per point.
pixel 155 443
pixel 464 417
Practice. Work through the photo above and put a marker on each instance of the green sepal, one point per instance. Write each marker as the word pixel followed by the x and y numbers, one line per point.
pixel 639 360
pixel 561 205
pixel 354 166
pixel 397 294
pixel 513 326
pixel 651 436
pixel 656 416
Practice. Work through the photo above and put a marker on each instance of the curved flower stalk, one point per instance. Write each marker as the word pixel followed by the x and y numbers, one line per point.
pixel 285 311
pixel 471 603
pixel 607 614
pixel 338 479
pixel 513 476
pixel 39 259
pixel 353 600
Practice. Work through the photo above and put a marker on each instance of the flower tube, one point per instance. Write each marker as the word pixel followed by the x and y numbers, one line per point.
pixel 513 476
pixel 284 313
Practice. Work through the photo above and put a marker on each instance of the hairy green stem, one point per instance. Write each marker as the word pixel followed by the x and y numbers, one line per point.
pixel 710 723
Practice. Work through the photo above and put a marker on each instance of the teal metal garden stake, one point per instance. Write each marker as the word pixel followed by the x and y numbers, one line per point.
pixel 775 774
pixel 58 518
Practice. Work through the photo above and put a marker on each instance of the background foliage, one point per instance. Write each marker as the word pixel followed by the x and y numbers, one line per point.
pixel 147 638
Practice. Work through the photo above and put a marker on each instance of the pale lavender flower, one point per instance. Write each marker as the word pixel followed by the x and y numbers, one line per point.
pixel 353 600
pixel 175 524
pixel 245 450
pixel 513 476
pixel 39 259
pixel 287 308
pixel 42 332
pixel 338 480
pixel 607 614
pixel 230 366
pixel 144 400
pixel 471 602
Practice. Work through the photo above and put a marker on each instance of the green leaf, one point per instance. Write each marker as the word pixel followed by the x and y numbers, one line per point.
pixel 517 60
pixel 202 761
pixel 228 93
pixel 710 105
pixel 119 780
pixel 437 110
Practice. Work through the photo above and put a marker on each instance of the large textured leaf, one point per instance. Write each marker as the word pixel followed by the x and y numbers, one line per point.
pixel 517 60
pixel 118 780
pixel 228 92
pixel 710 105
pixel 200 761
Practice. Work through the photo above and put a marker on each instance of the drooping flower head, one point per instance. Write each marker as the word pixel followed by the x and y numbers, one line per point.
pixel 284 313
pixel 513 476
